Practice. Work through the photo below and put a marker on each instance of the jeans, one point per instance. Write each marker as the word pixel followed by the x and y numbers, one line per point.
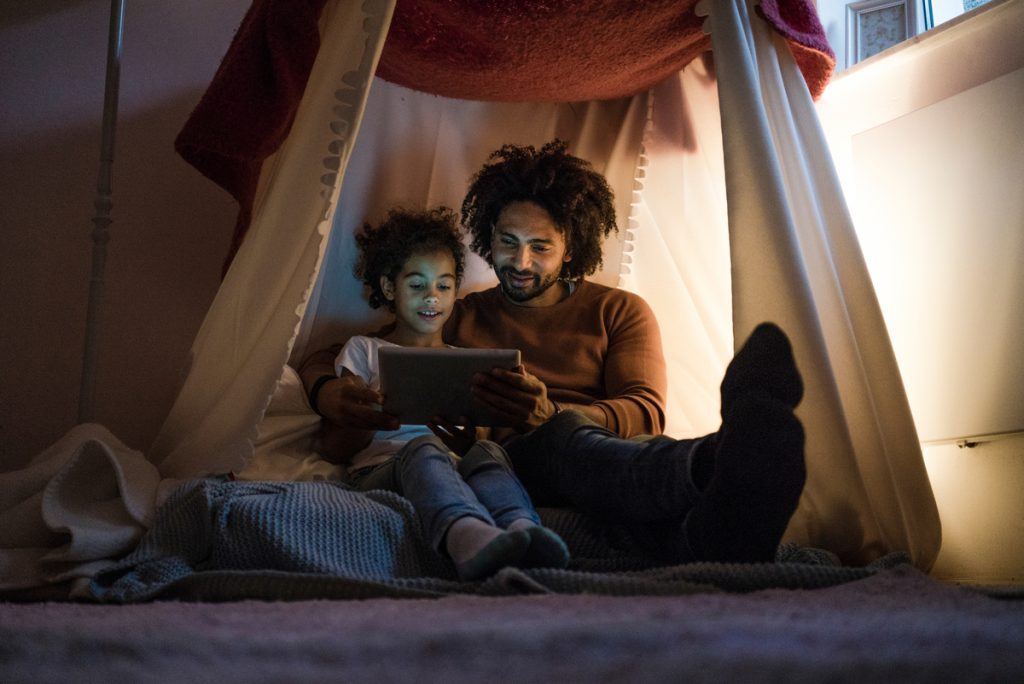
pixel 442 489
pixel 571 461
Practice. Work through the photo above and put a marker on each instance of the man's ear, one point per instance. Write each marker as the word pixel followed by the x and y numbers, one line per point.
pixel 387 286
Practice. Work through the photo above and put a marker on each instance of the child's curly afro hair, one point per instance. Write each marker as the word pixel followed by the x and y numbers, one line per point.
pixel 385 249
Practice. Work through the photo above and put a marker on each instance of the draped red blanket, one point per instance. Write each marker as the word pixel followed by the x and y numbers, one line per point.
pixel 530 50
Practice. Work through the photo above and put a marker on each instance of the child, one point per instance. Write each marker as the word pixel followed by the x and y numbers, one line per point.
pixel 474 508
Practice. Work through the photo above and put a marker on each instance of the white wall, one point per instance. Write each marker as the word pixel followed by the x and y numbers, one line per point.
pixel 171 226
pixel 929 144
pixel 940 213
pixel 980 495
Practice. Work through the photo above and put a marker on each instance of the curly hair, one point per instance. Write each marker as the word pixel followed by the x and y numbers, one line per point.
pixel 404 233
pixel 575 195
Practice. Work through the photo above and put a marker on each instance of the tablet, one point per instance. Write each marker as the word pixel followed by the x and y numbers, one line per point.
pixel 419 383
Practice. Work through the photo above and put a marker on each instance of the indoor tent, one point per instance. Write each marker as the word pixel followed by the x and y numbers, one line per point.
pixel 326 113
pixel 677 136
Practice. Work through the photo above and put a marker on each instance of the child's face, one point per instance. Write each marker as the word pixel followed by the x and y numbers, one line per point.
pixel 423 293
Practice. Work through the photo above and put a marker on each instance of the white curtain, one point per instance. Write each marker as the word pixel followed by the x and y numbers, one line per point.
pixel 796 261
pixel 247 334
pixel 794 258
pixel 677 254
pixel 420 150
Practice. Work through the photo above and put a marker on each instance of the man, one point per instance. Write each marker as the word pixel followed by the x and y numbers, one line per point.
pixel 594 376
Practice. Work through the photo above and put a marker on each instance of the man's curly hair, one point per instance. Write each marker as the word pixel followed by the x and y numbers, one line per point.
pixel 575 195
pixel 404 233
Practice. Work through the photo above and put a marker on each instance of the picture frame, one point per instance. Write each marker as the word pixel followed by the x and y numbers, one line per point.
pixel 876 25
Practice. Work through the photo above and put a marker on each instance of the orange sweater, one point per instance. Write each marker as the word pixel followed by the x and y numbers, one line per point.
pixel 599 346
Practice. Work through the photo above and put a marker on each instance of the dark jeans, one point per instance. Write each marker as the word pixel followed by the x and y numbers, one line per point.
pixel 572 462
pixel 442 489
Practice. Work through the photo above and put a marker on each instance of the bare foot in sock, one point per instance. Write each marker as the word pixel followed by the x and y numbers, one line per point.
pixel 479 549
pixel 764 363
pixel 547 550
pixel 759 474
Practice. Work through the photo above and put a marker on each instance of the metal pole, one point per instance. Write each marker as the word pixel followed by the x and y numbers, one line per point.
pixel 102 220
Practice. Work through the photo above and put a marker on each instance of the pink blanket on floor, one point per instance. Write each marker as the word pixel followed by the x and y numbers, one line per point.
pixel 531 50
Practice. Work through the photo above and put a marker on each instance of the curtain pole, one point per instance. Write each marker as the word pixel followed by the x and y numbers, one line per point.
pixel 101 221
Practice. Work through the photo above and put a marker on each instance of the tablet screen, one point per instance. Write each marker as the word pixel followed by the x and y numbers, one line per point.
pixel 419 383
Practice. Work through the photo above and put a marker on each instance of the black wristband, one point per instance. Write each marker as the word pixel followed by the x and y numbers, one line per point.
pixel 315 390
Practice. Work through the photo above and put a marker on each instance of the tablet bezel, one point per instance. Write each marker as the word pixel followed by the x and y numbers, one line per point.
pixel 419 383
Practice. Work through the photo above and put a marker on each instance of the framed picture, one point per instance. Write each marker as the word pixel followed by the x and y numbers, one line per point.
pixel 874 25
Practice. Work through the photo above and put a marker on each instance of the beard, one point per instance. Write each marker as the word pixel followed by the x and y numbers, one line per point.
pixel 518 294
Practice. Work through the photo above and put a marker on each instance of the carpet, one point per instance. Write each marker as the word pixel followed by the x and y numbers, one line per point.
pixel 896 625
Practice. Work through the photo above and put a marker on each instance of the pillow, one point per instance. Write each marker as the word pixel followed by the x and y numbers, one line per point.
pixel 286 442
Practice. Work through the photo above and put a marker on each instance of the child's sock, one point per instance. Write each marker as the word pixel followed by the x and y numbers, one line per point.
pixel 547 550
pixel 521 524
pixel 479 549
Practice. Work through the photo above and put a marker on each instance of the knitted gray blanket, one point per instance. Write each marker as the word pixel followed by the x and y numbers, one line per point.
pixel 222 540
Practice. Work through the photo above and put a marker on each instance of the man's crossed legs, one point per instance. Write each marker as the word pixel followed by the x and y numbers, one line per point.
pixel 726 497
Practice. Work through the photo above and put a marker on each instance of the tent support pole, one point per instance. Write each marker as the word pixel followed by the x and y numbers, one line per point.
pixel 101 221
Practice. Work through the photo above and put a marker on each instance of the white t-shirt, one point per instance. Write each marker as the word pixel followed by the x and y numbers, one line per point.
pixel 359 356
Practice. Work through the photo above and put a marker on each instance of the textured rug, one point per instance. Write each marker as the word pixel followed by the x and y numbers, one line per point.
pixel 895 625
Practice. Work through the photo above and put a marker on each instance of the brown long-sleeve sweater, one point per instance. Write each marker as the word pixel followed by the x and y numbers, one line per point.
pixel 598 346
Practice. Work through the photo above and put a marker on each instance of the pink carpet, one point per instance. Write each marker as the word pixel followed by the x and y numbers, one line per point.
pixel 898 625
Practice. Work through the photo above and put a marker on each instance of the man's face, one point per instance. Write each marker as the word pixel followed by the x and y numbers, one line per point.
pixel 528 251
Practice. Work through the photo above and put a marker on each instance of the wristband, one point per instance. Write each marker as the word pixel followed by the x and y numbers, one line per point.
pixel 558 409
pixel 315 390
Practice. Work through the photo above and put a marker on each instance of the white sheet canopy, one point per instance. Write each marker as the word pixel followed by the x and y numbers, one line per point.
pixel 730 214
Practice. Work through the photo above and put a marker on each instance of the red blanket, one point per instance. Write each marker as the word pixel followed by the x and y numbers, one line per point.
pixel 530 50
pixel 568 50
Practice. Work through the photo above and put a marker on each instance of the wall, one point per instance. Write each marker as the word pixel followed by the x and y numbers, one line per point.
pixel 928 143
pixel 171 226
pixel 981 505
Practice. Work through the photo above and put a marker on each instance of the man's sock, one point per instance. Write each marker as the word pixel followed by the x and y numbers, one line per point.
pixel 759 474
pixel 479 549
pixel 764 363
pixel 702 463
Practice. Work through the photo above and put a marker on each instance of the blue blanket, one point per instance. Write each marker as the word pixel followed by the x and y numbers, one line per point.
pixel 226 540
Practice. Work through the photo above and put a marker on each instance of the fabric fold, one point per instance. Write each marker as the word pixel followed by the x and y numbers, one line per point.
pixel 796 261
pixel 604 50
pixel 77 506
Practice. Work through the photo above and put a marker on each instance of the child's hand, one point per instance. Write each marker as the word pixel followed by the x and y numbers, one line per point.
pixel 356 405
pixel 458 437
